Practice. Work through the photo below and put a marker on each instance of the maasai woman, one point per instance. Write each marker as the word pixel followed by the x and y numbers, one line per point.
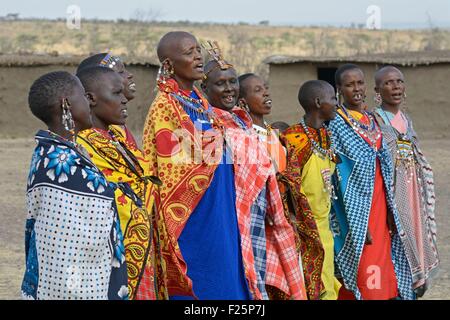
pixel 206 257
pixel 276 261
pixel 123 162
pixel 73 239
pixel 115 63
pixel 413 178
pixel 254 97
pixel 369 255
pixel 311 162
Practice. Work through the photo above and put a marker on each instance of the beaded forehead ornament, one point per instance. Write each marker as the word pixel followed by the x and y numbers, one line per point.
pixel 109 61
pixel 216 55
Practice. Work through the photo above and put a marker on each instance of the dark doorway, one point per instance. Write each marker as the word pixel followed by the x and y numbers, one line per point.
pixel 327 74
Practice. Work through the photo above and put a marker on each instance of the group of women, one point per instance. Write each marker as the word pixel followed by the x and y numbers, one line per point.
pixel 217 204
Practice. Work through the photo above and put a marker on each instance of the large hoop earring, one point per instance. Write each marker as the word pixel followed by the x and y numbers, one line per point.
pixel 67 119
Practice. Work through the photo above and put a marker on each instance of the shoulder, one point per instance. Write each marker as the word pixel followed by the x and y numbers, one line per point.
pixel 92 136
pixel 295 137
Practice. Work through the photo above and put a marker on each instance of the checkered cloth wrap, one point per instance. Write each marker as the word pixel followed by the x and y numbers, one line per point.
pixel 253 172
pixel 258 236
pixel 356 199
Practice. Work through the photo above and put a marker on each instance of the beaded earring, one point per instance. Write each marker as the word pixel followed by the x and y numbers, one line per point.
pixel 404 107
pixel 377 99
pixel 338 97
pixel 67 119
pixel 243 105
pixel 164 74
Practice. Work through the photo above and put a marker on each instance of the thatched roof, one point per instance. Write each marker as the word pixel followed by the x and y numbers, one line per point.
pixel 35 60
pixel 402 59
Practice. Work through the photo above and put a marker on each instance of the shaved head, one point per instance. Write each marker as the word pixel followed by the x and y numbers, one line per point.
pixel 382 72
pixel 310 91
pixel 168 43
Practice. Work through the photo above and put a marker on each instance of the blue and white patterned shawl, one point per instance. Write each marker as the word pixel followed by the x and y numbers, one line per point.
pixel 354 181
pixel 258 236
pixel 73 241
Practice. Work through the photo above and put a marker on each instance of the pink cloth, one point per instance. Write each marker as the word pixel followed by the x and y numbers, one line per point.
pixel 399 122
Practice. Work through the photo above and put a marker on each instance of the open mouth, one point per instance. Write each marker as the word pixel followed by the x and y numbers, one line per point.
pixel 229 99
pixel 397 96
pixel 199 67
pixel 357 97
pixel 132 86
pixel 268 103
pixel 124 112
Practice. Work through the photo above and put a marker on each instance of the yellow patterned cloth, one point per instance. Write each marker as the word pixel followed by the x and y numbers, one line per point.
pixel 315 176
pixel 121 161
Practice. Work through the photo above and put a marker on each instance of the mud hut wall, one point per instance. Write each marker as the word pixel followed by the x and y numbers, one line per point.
pixel 428 93
pixel 17 121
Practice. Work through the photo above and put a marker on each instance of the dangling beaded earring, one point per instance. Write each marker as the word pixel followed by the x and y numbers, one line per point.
pixel 164 74
pixel 404 108
pixel 243 106
pixel 338 97
pixel 67 119
pixel 377 99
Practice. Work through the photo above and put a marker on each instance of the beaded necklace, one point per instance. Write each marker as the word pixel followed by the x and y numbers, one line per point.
pixel 195 106
pixel 74 144
pixel 266 132
pixel 405 152
pixel 239 122
pixel 371 132
pixel 317 149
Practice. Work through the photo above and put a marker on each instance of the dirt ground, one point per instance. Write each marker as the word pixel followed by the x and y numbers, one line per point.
pixel 15 157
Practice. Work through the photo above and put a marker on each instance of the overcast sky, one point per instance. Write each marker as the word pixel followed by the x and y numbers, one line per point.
pixel 394 13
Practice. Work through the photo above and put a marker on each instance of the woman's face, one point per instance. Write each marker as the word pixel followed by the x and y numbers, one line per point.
pixel 79 107
pixel 257 96
pixel 353 88
pixel 222 88
pixel 128 82
pixel 187 61
pixel 392 88
pixel 110 102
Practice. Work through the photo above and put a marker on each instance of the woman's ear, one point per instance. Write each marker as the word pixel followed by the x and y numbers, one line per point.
pixel 203 86
pixel 92 99
pixel 168 66
pixel 317 102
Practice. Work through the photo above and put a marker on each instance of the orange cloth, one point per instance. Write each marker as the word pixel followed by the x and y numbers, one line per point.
pixel 376 274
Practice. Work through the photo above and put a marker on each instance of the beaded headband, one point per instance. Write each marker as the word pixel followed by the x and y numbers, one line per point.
pixel 216 55
pixel 109 61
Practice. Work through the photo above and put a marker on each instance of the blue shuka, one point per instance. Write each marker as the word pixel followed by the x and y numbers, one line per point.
pixel 349 217
pixel 210 240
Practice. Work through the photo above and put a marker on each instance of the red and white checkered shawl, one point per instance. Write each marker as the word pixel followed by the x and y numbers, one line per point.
pixel 254 170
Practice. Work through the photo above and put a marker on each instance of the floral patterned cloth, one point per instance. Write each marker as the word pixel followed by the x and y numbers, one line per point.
pixel 73 240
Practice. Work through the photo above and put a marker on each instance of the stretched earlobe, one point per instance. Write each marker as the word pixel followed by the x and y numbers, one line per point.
pixel 91 98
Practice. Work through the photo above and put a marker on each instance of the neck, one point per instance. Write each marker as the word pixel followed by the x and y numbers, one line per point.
pixel 313 122
pixel 187 85
pixel 97 123
pixel 62 132
pixel 358 108
pixel 391 108
pixel 258 120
